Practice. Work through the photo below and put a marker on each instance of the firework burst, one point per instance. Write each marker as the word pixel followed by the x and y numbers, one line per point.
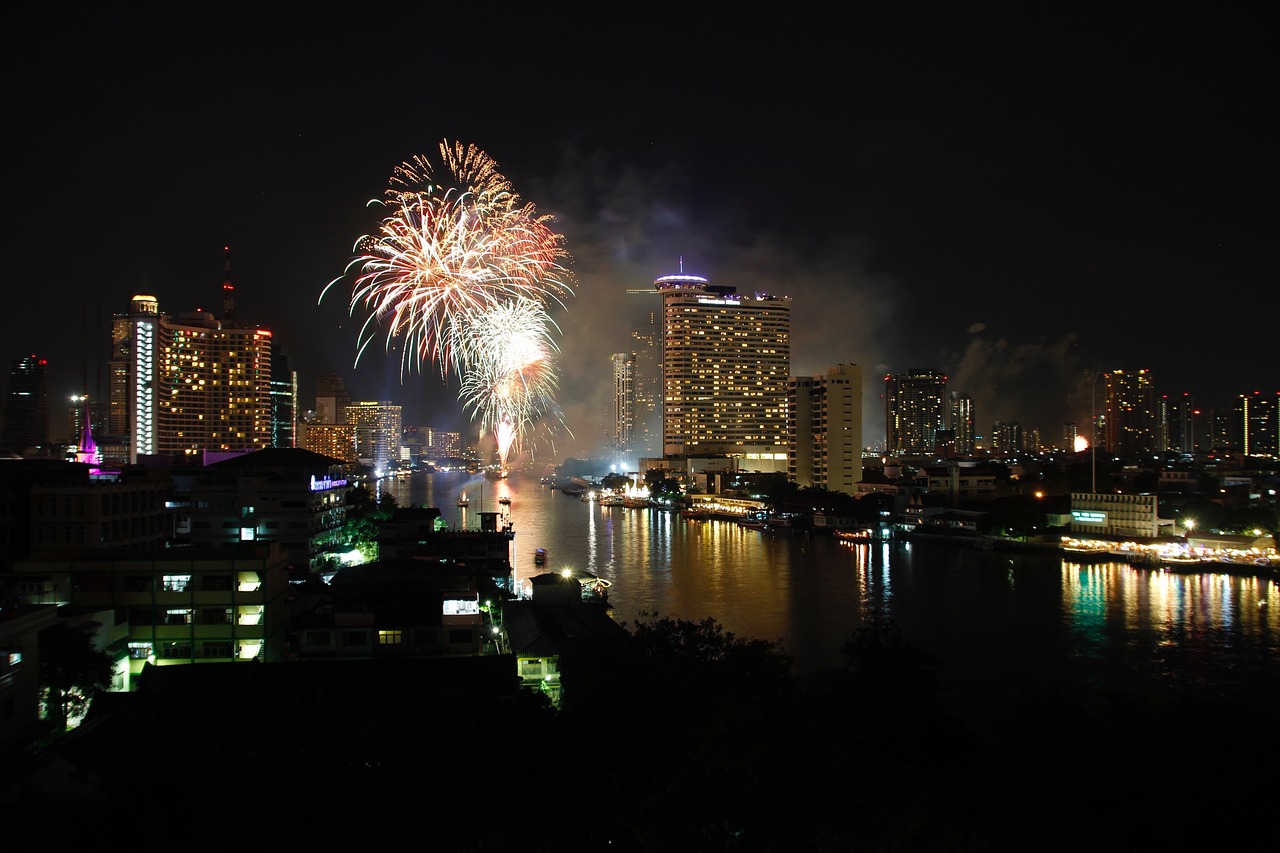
pixel 460 272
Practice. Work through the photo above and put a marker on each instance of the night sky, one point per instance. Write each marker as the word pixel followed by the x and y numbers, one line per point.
pixel 1012 197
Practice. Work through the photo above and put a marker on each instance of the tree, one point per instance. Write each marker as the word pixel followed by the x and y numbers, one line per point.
pixel 71 671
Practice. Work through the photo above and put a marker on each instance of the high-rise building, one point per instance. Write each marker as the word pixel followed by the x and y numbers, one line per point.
pixel 1256 414
pixel 826 429
pixel 190 384
pixel 624 404
pixel 914 411
pixel 1070 431
pixel 960 422
pixel 1006 437
pixel 726 361
pixel 1131 413
pixel 645 332
pixel 337 441
pixel 26 405
pixel 332 399
pixel 441 445
pixel 378 427
pixel 1178 416
pixel 284 399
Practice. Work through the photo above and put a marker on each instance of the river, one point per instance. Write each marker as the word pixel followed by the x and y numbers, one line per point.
pixel 1002 626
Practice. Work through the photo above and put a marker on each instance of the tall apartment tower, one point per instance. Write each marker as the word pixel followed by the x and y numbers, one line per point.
pixel 960 421
pixel 726 362
pixel 644 308
pixel 284 399
pixel 826 429
pixel 1179 416
pixel 332 399
pixel 378 427
pixel 190 384
pixel 914 411
pixel 1131 413
pixel 624 403
pixel 26 405
pixel 1256 415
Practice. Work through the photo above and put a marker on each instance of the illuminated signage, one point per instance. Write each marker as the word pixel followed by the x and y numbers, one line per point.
pixel 325 484
pixel 1085 516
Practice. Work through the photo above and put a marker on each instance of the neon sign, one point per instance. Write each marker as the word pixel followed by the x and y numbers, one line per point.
pixel 325 484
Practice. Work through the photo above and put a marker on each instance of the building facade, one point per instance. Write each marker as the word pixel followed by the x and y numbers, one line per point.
pixel 26 406
pixel 826 429
pixel 1131 416
pixel 1259 428
pixel 624 404
pixel 183 605
pixel 914 412
pixel 960 422
pixel 726 361
pixel 378 427
pixel 191 384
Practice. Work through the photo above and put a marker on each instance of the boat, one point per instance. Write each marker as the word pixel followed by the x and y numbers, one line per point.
pixel 462 500
pixel 540 556
pixel 853 535
pixel 504 500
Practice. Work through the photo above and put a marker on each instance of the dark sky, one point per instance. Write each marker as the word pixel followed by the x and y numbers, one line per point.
pixel 1011 197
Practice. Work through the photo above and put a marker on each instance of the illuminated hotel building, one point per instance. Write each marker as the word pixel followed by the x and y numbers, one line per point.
pixel 378 428
pixel 726 362
pixel 914 412
pixel 826 429
pixel 334 440
pixel 190 385
pixel 1131 426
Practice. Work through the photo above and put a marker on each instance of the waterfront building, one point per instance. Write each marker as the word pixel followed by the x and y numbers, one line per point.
pixel 726 361
pixel 914 412
pixel 26 406
pixel 335 440
pixel 645 334
pixel 378 427
pixel 1113 516
pixel 441 446
pixel 825 414
pixel 624 406
pixel 1131 413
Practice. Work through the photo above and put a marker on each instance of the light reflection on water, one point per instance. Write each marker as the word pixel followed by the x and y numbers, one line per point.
pixel 1001 624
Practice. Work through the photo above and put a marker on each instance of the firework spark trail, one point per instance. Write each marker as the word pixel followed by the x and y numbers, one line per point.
pixel 510 377
pixel 461 271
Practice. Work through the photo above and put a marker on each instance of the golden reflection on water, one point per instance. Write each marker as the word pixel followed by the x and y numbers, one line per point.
pixel 1176 606
pixel 811 592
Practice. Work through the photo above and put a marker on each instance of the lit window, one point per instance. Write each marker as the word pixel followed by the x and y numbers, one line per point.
pixel 176 583
pixel 389 638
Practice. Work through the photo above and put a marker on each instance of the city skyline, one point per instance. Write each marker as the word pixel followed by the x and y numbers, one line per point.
pixel 1008 199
